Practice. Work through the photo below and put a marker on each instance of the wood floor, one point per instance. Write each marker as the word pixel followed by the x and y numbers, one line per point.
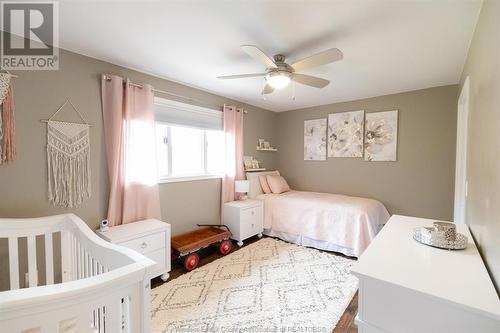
pixel 346 323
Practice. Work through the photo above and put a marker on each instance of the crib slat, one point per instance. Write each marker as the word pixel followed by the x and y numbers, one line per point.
pixel 126 316
pixel 87 265
pixel 49 259
pixel 67 274
pixel 101 319
pixel 113 316
pixel 73 255
pixel 32 270
pixel 13 263
pixel 80 262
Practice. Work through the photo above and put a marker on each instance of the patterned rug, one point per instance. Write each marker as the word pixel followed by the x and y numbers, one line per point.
pixel 267 286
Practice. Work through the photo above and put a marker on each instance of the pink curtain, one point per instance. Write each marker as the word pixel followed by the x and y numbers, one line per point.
pixel 233 130
pixel 130 148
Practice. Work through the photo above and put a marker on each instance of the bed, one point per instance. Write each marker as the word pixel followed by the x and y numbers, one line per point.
pixel 325 221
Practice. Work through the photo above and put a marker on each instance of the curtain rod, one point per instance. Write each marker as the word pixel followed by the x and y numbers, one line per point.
pixel 191 99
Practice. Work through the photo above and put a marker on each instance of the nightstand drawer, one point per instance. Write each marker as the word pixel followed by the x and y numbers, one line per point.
pixel 147 243
pixel 250 228
pixel 251 214
pixel 251 221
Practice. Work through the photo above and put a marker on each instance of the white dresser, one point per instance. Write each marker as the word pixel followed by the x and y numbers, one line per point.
pixel 149 237
pixel 408 287
pixel 244 218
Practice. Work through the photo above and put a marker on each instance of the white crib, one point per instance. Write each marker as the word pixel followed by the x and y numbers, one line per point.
pixel 97 287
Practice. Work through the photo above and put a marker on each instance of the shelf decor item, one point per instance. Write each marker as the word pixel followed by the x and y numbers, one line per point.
pixel 441 235
pixel 261 143
pixel 247 162
pixel 264 145
pixel 251 164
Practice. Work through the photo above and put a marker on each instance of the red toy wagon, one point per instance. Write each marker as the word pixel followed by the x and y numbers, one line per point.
pixel 185 247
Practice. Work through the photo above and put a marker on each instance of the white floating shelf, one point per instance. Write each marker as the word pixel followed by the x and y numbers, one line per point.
pixel 267 149
pixel 259 169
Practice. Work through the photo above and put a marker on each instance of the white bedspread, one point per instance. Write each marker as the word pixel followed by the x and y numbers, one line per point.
pixel 345 221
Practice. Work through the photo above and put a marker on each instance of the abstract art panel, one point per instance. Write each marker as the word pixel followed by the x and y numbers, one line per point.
pixel 315 140
pixel 345 134
pixel 381 136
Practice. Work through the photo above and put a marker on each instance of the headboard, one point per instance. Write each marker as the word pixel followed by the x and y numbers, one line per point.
pixel 253 178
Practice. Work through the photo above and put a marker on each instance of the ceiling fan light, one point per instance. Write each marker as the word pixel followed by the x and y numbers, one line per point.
pixel 278 80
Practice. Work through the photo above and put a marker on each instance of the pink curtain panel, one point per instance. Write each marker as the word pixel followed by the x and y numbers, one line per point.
pixel 233 130
pixel 130 150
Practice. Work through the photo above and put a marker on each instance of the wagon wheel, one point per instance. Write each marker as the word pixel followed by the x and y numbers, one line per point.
pixel 191 261
pixel 225 246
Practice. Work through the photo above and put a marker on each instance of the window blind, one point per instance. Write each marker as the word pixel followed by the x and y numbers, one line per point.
pixel 183 114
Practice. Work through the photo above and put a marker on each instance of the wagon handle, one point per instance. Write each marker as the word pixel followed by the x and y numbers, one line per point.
pixel 214 225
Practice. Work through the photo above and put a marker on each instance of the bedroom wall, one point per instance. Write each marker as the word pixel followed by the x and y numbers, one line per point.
pixel 420 183
pixel 39 93
pixel 483 69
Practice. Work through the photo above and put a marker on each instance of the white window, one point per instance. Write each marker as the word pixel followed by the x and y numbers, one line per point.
pixel 190 142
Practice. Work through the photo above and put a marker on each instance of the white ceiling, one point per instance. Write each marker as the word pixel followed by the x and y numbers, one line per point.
pixel 389 46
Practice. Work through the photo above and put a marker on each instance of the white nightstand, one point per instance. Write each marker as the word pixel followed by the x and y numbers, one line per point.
pixel 244 218
pixel 149 237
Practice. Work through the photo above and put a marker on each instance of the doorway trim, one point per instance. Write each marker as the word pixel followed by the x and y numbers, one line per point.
pixel 461 153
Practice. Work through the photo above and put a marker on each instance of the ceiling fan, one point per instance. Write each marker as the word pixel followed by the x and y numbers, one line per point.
pixel 279 74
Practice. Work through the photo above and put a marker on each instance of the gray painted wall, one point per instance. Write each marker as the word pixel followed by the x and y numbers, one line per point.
pixel 39 93
pixel 483 174
pixel 420 183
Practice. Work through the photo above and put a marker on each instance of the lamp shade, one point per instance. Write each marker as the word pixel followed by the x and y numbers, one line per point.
pixel 241 186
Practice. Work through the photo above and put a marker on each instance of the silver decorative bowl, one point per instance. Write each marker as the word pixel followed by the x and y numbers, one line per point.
pixel 430 236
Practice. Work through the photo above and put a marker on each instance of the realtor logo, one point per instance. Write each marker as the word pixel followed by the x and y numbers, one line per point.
pixel 30 35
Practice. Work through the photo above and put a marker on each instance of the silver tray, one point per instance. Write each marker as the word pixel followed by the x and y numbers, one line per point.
pixel 427 237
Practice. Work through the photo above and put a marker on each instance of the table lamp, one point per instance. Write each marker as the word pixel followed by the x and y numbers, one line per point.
pixel 242 186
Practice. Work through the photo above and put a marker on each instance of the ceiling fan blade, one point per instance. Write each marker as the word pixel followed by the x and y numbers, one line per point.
pixel 318 59
pixel 267 89
pixel 256 53
pixel 240 76
pixel 309 80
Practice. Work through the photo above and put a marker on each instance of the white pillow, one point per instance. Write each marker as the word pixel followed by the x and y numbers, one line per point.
pixel 253 178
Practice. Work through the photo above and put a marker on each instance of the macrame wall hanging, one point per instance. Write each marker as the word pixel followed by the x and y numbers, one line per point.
pixel 68 160
pixel 7 123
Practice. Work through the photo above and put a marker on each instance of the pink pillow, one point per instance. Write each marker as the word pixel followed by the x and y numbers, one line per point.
pixel 277 184
pixel 264 184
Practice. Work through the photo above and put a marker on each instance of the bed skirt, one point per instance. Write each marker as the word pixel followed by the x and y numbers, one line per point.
pixel 309 242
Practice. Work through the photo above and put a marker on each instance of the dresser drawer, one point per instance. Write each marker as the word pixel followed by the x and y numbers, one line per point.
pixel 158 257
pixel 147 244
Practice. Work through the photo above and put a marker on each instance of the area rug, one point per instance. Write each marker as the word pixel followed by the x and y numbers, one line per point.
pixel 267 286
